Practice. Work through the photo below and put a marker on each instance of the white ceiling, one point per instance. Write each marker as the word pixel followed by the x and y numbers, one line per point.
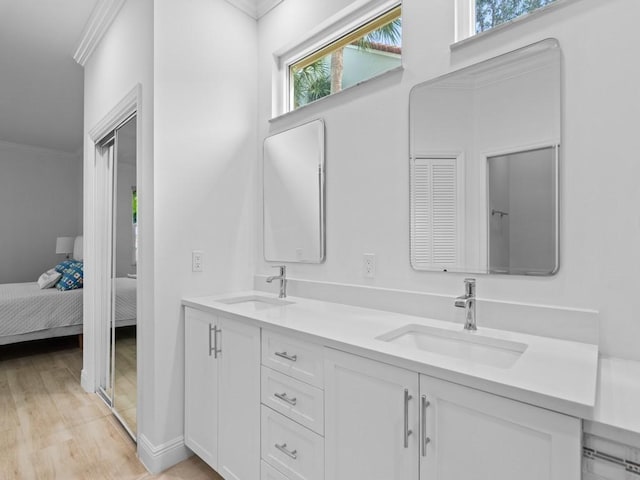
pixel 41 86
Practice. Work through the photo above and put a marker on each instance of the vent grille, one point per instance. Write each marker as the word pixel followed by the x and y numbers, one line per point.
pixel 434 213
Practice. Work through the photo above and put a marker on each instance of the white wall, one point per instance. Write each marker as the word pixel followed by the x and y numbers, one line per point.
pixel 196 63
pixel 204 187
pixel 122 60
pixel 40 200
pixel 367 167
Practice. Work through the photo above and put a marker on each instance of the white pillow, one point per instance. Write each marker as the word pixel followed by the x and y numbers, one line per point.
pixel 48 279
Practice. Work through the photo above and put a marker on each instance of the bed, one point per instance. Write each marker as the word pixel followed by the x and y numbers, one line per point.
pixel 29 313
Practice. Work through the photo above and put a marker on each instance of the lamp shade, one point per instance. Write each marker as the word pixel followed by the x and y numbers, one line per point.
pixel 64 245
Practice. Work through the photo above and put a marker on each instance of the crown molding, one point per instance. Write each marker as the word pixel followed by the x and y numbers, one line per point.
pixel 265 5
pixel 99 22
pixel 255 8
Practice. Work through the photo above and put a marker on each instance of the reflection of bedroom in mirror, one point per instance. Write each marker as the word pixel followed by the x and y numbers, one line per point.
pixel 118 375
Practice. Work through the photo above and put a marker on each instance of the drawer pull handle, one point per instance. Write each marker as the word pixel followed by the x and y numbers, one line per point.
pixel 286 356
pixel 285 398
pixel 283 448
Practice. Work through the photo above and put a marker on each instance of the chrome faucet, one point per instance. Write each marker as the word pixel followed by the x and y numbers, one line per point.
pixel 468 302
pixel 283 280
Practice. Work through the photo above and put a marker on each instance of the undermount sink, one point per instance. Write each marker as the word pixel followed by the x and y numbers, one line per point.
pixel 256 301
pixel 461 344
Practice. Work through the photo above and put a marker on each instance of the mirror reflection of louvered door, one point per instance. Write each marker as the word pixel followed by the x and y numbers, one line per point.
pixel 435 213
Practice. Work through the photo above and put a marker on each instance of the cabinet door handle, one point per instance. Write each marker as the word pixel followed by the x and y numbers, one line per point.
pixel 217 347
pixel 211 349
pixel 286 356
pixel 425 439
pixel 285 398
pixel 407 432
pixel 289 453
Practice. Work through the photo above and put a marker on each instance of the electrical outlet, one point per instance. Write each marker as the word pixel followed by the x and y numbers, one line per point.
pixel 369 265
pixel 196 261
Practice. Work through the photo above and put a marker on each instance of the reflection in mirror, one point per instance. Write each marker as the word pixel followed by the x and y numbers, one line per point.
pixel 124 277
pixel 522 212
pixel 484 164
pixel 293 182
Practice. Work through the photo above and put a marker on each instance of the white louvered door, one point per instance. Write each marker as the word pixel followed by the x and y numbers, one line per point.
pixel 435 213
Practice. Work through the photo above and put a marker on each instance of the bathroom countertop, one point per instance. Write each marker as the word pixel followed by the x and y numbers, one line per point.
pixel 556 374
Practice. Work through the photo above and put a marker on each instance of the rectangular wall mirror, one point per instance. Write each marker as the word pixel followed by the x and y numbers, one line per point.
pixel 293 182
pixel 484 147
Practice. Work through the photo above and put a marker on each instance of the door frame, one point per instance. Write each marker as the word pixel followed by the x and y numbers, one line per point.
pixel 95 253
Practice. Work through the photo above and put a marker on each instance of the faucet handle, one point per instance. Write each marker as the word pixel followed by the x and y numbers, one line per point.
pixel 283 269
pixel 470 287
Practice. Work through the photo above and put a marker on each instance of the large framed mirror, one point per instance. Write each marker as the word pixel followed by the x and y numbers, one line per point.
pixel 293 185
pixel 484 146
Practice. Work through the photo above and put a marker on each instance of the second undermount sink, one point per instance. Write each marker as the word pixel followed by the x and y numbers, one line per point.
pixel 461 344
pixel 258 302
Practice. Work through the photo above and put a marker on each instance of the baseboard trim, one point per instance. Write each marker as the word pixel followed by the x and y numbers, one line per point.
pixel 157 458
pixel 85 382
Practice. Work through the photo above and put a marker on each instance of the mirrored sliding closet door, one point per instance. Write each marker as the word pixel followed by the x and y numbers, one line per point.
pixel 118 372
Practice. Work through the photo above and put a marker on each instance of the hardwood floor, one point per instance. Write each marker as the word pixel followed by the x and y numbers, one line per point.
pixel 126 378
pixel 51 429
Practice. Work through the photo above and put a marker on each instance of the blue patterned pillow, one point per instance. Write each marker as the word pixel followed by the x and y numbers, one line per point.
pixel 63 265
pixel 71 277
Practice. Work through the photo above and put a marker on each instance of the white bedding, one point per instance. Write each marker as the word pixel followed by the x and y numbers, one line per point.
pixel 125 299
pixel 24 308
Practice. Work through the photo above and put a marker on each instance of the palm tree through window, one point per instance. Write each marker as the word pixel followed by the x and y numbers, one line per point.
pixel 363 53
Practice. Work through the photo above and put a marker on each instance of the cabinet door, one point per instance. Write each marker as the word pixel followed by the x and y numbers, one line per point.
pixel 239 400
pixel 201 379
pixel 478 436
pixel 371 429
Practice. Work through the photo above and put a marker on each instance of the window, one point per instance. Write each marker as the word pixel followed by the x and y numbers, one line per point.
pixel 366 51
pixel 491 13
pixel 477 16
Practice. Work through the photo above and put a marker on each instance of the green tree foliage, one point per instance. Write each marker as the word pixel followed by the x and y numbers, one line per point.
pixel 311 83
pixel 389 34
pixel 490 13
pixel 325 75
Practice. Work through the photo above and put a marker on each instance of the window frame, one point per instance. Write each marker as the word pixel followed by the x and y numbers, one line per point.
pixel 465 20
pixel 332 30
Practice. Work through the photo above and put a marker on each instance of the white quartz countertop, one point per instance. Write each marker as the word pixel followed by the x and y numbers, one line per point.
pixel 556 374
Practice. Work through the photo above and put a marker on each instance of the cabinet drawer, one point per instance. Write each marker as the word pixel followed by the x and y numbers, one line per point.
pixel 267 472
pixel 291 448
pixel 297 400
pixel 299 359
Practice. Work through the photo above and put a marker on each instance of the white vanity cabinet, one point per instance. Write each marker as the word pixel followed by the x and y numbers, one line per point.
pixel 472 435
pixel 292 408
pixel 380 419
pixel 371 421
pixel 222 393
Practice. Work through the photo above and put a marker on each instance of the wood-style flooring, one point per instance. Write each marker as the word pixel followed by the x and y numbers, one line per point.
pixel 51 429
pixel 126 378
